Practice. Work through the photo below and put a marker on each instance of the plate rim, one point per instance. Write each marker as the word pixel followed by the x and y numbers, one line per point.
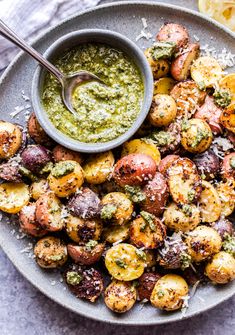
pixel 7 251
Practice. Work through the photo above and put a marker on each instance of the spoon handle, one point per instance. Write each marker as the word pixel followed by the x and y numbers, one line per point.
pixel 11 36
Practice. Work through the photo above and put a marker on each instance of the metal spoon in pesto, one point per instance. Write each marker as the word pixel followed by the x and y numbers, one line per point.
pixel 68 82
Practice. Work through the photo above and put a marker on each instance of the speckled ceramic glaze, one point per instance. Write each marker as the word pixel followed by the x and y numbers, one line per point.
pixel 124 18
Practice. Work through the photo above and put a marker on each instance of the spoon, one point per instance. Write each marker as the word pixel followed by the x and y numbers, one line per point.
pixel 68 82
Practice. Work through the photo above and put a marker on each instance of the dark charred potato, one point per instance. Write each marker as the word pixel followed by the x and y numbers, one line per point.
pixel 37 133
pixel 146 284
pixel 85 204
pixel 208 164
pixel 50 252
pixel 28 223
pixel 156 195
pixel 48 212
pixel 173 32
pixel 228 166
pixel 195 273
pixel 147 231
pixel 61 153
pixel 84 283
pixel 35 157
pixel 224 227
pixel 10 139
pixel 10 171
pixel 166 162
pixel 134 169
pixel 86 255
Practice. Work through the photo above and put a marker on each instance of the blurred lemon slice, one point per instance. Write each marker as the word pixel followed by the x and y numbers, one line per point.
pixel 221 10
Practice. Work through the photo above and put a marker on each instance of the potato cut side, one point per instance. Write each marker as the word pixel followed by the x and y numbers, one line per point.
pixel 228 83
pixel 13 197
pixel 163 86
pixel 226 194
pixel 209 203
pixel 206 71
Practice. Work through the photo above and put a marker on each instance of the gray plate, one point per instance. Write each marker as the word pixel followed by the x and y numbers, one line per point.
pixel 126 19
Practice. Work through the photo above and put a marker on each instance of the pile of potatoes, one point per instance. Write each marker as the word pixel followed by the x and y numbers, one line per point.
pixel 149 212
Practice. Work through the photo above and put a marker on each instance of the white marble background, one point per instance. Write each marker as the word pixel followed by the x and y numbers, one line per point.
pixel 25 311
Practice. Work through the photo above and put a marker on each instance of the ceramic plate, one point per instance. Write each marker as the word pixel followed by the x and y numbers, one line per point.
pixel 124 18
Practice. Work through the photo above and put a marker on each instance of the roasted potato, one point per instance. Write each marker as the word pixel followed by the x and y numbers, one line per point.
pixel 208 164
pixel 116 207
pixel 174 253
pixel 151 259
pixel 61 153
pixel 210 113
pixel 125 262
pixel 28 223
pixel 83 230
pixel 50 252
pixel 48 212
pixel 196 136
pixel 120 296
pixel 116 233
pixel 98 168
pixel 163 85
pixel 180 67
pixel 146 284
pixel 13 197
pixel 227 118
pixel 39 188
pixel 221 269
pixel 156 195
pixel 134 169
pixel 226 192
pixel 175 33
pixel 147 231
pixel 203 242
pixel 184 181
pixel 166 162
pixel 35 158
pixel 227 83
pixel 181 217
pixel 139 146
pixel 37 133
pixel 163 110
pixel 224 227
pixel 10 171
pixel 209 203
pixel 86 254
pixel 85 204
pixel 169 292
pixel 228 166
pixel 188 97
pixel 160 67
pixel 84 283
pixel 195 274
pixel 10 139
pixel 206 71
pixel 65 178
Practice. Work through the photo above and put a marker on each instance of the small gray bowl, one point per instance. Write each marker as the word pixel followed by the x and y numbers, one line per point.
pixel 70 40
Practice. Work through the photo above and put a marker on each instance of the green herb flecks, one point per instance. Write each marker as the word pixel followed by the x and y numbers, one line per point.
pixel 185 260
pixel 232 162
pixel 56 257
pixel 141 254
pixel 160 294
pixel 222 98
pixel 135 193
pixel 202 134
pixel 73 278
pixel 91 245
pixel 229 245
pixel 187 210
pixel 121 263
pixel 150 219
pixel 160 138
pixel 62 168
pixel 47 168
pixel 28 174
pixel 201 85
pixel 191 195
pixel 163 50
pixel 108 211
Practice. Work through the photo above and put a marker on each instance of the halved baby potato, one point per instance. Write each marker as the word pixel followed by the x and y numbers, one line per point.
pixel 10 139
pixel 209 203
pixel 163 110
pixel 13 197
pixel 116 233
pixel 206 71
pixel 228 83
pixel 226 192
pixel 227 118
pixel 160 67
pixel 98 167
pixel 163 85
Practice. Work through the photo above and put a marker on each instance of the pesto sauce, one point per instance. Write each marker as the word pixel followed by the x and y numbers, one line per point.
pixel 103 112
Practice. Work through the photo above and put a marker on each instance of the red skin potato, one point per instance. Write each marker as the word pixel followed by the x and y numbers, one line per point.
pixel 134 169
pixel 83 257
pixel 146 284
pixel 227 171
pixel 61 153
pixel 211 114
pixel 166 162
pixel 28 222
pixel 173 32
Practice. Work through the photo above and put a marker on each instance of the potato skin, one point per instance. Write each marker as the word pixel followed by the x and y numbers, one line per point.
pixel 98 168
pixel 28 223
pixel 83 255
pixel 10 139
pixel 208 164
pixel 35 157
pixel 39 188
pixel 221 269
pixel 61 153
pixel 120 296
pixel 173 32
pixel 90 284
pixel 224 227
pixel 9 171
pixel 177 219
pixel 146 237
pixel 50 252
pixel 48 212
pixel 146 284
pixel 156 193
pixel 163 110
pixel 228 166
pixel 203 242
pixel 168 292
pixel 166 162
pixel 134 169
pixel 85 204
pixel 160 67
pixel 37 133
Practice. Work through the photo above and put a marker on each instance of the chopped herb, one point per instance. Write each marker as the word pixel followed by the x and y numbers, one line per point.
pixel 28 174
pixel 185 125
pixel 160 294
pixel 121 263
pixel 222 98
pixel 163 50
pixel 73 278
pixel 46 244
pixel 232 162
pixel 201 85
pixel 201 135
pixel 150 219
pixel 47 168
pixel 135 283
pixel 143 226
pixel 56 257
pixel 187 210
pixel 135 193
pixel 161 138
pixel 185 260
pixel 229 245
pixel 141 254
pixel 108 211
pixel 191 195
pixel 91 245
pixel 62 168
